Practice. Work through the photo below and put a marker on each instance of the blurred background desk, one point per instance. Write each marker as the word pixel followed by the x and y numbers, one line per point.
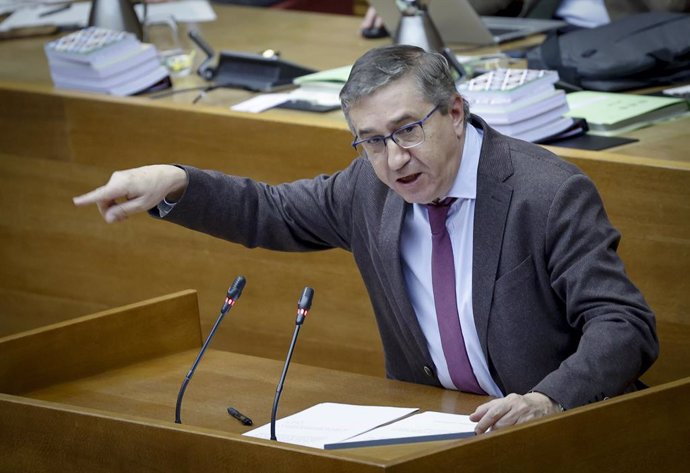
pixel 59 262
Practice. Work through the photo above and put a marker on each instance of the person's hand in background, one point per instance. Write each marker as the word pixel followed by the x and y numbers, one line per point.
pixel 372 25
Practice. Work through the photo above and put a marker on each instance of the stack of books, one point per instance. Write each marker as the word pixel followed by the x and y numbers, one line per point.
pixel 100 60
pixel 522 103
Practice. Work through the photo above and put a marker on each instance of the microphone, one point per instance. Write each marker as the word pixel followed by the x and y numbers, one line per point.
pixel 234 293
pixel 303 306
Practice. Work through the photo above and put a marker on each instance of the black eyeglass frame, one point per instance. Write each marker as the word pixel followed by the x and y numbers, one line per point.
pixel 391 136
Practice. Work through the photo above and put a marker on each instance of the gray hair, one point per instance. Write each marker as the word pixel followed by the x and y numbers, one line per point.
pixel 383 65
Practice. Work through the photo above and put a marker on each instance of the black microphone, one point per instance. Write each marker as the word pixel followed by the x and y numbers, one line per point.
pixel 234 293
pixel 303 306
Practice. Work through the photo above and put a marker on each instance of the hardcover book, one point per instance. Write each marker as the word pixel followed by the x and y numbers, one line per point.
pixel 522 103
pixel 134 84
pixel 507 85
pixel 128 60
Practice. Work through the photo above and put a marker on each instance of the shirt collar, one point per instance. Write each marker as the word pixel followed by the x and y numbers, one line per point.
pixel 465 185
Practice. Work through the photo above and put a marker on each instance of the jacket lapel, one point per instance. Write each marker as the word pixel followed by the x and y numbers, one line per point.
pixel 389 248
pixel 491 211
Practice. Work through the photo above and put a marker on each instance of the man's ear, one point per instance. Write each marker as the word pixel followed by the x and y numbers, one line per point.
pixel 457 112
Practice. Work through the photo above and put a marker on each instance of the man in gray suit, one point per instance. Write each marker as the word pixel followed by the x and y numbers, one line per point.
pixel 543 315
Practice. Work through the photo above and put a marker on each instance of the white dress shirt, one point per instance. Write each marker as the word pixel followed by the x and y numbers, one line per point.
pixel 415 247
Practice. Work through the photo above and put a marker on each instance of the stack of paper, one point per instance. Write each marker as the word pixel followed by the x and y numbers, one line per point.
pixel 100 60
pixel 521 103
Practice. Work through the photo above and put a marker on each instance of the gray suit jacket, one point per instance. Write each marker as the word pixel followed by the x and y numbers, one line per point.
pixel 554 310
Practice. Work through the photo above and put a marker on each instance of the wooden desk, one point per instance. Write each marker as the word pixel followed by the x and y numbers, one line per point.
pixel 320 41
pixel 98 394
pixel 57 144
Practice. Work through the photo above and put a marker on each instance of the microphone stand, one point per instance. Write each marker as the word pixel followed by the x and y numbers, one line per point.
pixel 234 293
pixel 303 306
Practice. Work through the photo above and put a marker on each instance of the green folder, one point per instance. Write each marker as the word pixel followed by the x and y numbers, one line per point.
pixel 615 112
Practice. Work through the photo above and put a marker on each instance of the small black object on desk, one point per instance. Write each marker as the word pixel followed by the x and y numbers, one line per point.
pixel 374 32
pixel 239 416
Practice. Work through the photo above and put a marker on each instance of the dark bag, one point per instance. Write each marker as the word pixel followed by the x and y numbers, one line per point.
pixel 637 51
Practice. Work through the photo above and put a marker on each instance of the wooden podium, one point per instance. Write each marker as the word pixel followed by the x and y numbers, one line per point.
pixel 97 393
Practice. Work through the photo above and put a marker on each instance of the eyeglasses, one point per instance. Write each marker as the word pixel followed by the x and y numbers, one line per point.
pixel 407 136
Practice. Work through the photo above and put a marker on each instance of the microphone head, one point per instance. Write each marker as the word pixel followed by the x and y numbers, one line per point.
pixel 235 290
pixel 304 302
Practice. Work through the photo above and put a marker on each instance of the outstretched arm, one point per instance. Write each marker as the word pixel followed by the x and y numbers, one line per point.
pixel 135 190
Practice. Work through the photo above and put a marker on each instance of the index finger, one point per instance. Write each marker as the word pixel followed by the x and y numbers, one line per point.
pixel 481 410
pixel 490 417
pixel 101 194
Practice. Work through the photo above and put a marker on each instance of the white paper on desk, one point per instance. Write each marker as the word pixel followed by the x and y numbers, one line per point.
pixel 183 11
pixel 330 98
pixel 328 423
pixel 186 11
pixel 7 6
pixel 261 102
pixel 77 15
pixel 423 427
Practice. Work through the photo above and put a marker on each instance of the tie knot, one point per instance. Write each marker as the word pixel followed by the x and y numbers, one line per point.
pixel 437 215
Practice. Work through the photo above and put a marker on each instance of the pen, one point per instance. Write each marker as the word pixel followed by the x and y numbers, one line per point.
pixel 239 416
pixel 64 7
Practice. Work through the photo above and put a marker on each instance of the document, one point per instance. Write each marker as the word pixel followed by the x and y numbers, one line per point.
pixel 336 426
pixel 422 427
pixel 328 423
pixel 261 102
pixel 77 15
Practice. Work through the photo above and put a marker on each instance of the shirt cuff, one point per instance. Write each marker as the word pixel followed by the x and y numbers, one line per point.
pixel 164 207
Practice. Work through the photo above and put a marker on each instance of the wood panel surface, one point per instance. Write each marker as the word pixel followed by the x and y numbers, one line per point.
pixel 648 201
pixel 642 430
pixel 118 416
pixel 62 262
pixel 95 343
pixel 674 361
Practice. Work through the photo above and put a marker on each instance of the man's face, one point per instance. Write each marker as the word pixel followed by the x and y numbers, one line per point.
pixel 424 172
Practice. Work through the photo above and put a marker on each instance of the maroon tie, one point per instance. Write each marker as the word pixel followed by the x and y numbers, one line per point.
pixel 443 280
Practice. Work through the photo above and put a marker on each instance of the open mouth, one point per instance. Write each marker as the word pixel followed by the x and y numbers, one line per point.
pixel 408 179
